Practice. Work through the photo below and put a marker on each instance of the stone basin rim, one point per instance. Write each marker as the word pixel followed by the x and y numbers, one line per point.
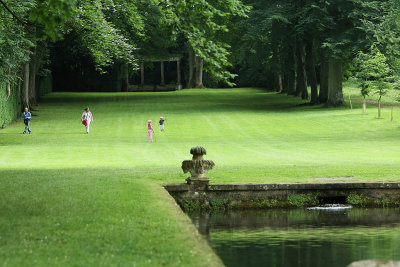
pixel 285 186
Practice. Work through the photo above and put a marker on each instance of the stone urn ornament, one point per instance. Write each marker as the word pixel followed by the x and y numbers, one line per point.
pixel 197 166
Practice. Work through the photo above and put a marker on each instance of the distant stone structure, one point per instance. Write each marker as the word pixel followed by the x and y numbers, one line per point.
pixel 197 167
pixel 176 58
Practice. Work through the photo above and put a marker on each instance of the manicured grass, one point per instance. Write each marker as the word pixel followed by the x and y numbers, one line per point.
pixel 60 218
pixel 67 198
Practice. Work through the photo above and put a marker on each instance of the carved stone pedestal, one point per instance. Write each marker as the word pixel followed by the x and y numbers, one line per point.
pixel 197 167
pixel 198 184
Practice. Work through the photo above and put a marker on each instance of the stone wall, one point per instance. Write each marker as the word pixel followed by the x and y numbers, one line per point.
pixel 250 196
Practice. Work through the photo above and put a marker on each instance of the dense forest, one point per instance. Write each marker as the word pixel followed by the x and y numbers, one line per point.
pixel 121 45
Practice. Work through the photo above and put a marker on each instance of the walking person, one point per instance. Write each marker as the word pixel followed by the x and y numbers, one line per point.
pixel 150 131
pixel 87 119
pixel 27 119
pixel 161 123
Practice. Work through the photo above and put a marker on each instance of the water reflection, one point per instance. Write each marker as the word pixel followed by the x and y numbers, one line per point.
pixel 301 237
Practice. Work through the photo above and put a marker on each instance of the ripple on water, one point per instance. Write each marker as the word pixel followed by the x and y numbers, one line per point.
pixel 332 207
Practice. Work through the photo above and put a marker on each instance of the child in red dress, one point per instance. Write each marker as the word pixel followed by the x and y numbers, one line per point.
pixel 150 130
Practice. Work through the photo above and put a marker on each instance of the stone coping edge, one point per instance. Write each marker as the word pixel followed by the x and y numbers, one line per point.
pixel 286 186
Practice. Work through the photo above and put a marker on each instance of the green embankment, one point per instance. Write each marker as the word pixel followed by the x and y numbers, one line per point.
pixel 67 198
pixel 10 105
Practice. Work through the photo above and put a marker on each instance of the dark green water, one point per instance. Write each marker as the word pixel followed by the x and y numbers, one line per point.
pixel 301 237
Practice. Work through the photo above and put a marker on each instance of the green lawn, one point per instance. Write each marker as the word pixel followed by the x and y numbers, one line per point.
pixel 67 198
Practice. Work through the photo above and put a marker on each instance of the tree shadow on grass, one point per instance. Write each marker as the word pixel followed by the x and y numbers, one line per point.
pixel 212 100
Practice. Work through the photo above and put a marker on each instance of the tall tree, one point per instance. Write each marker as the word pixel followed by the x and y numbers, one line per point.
pixel 28 25
pixel 200 23
pixel 15 43
pixel 312 22
pixel 344 39
pixel 382 26
pixel 373 72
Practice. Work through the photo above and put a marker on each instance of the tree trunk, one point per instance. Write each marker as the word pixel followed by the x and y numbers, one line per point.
pixel 351 105
pixel 379 108
pixel 162 73
pixel 285 83
pixel 301 89
pixel 292 83
pixel 311 75
pixel 275 84
pixel 33 68
pixel 335 90
pixel 364 106
pixel 199 72
pixel 191 62
pixel 25 87
pixel 291 88
pixel 142 73
pixel 32 77
pixel 280 83
pixel 8 90
pixel 32 84
pixel 125 77
pixel 391 115
pixel 178 72
pixel 323 87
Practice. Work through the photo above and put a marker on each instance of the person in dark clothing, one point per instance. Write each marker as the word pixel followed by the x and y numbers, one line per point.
pixel 161 123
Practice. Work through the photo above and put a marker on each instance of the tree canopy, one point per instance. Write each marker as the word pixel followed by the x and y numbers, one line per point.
pixel 287 45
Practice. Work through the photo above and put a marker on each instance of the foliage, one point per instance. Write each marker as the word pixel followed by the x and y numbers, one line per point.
pixel 386 31
pixel 345 34
pixel 351 88
pixel 373 72
pixel 258 39
pixel 148 26
pixel 303 200
pixel 15 43
pixel 361 200
pixel 104 41
pixel 218 203
pixel 49 17
pixel 202 24
pixel 265 42
pixel 9 107
pixel 357 199
pixel 122 30
pixel 111 30
pixel 190 205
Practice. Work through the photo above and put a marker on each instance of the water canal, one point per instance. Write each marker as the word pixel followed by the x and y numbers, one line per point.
pixel 329 237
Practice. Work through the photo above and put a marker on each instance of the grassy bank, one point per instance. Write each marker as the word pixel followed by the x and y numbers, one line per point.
pixel 93 218
pixel 67 198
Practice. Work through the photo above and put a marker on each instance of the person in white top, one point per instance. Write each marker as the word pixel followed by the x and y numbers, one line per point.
pixel 87 118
